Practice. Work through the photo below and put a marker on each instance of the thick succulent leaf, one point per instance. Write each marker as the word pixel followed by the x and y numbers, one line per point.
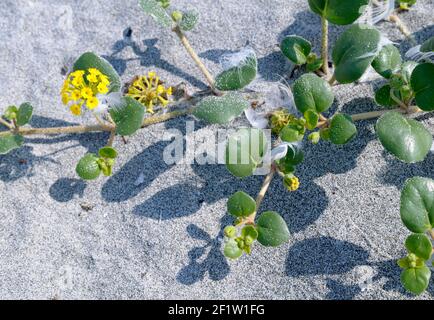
pixel 189 20
pixel 342 129
pixel 88 168
pixel 296 49
pixel 428 45
pixel 10 142
pixel 232 250
pixel 128 116
pixel 244 151
pixel 24 114
pixel 383 97
pixel 156 11
pixel 388 61
pixel 406 139
pixel 272 229
pixel 354 52
pixel 420 245
pixel 417 204
pixel 240 204
pixel 108 152
pixel 339 12
pixel 221 109
pixel 240 71
pixel 312 93
pixel 422 82
pixel 416 280
pixel 91 60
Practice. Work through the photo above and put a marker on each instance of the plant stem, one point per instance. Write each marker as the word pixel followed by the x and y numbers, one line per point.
pixel 396 99
pixel 166 116
pixel 5 123
pixel 332 80
pixel 374 114
pixel 324 46
pixel 195 57
pixel 112 138
pixel 403 28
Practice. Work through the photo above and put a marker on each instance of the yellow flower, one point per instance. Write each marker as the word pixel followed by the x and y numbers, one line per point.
pixel 150 91
pixel 86 92
pixel 104 79
pixel 291 182
pixel 102 88
pixel 75 109
pixel 92 103
pixel 93 78
pixel 65 98
pixel 94 71
pixel 76 95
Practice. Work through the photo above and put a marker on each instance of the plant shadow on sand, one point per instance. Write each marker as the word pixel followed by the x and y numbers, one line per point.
pixel 149 55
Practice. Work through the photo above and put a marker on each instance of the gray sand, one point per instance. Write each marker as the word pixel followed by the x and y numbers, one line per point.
pixel 160 240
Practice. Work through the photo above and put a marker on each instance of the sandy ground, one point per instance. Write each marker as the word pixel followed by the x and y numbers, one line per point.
pixel 161 239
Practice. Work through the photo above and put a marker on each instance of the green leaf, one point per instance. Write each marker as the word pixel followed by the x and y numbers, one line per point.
pixel 156 11
pixel 232 250
pixel 189 20
pixel 339 12
pixel 128 116
pixel 407 69
pixel 354 52
pixel 11 113
pixel 420 245
pixel 91 60
pixel 24 114
pixel 10 142
pixel 293 157
pixel 314 65
pixel 428 45
pixel 383 97
pixel 422 82
pixel 417 204
pixel 240 74
pixel 240 204
pixel 272 229
pixel 406 139
pixel 244 151
pixel 388 61
pixel 416 280
pixel 221 110
pixel 108 152
pixel 342 129
pixel 296 49
pixel 312 118
pixel 88 168
pixel 292 133
pixel 250 232
pixel 312 93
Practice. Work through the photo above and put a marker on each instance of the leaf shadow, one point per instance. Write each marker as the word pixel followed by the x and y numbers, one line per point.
pixel 148 54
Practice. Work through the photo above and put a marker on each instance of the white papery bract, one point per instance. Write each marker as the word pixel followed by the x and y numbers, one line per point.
pixel 415 54
pixel 376 11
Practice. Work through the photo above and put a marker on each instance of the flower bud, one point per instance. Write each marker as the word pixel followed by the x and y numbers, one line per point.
pixel 230 232
pixel 314 137
pixel 177 16
pixel 291 182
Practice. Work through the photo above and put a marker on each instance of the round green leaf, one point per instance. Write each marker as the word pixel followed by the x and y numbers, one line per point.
pixel 428 45
pixel 241 74
pixel 232 250
pixel 417 204
pixel 108 152
pixel 416 280
pixel 296 49
pixel 244 151
pixel 189 20
pixel 422 82
pixel 91 60
pixel 388 61
pixel 312 93
pixel 407 69
pixel 383 97
pixel 128 116
pixel 156 11
pixel 272 229
pixel 24 114
pixel 249 231
pixel 354 52
pixel 420 245
pixel 10 142
pixel 339 12
pixel 291 133
pixel 88 168
pixel 342 129
pixel 240 204
pixel 221 109
pixel 406 139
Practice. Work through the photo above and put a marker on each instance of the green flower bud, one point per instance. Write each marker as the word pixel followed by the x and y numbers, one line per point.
pixel 11 113
pixel 311 58
pixel 230 232
pixel 291 182
pixel 177 16
pixel 248 240
pixel 314 137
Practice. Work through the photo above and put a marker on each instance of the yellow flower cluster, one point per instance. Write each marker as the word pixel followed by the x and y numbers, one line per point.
pixel 81 89
pixel 291 182
pixel 150 91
